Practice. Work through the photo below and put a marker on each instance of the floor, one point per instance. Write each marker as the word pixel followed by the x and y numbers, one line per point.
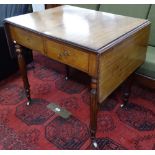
pixel 38 127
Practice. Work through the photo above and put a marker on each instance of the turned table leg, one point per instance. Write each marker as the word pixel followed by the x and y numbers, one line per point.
pixel 22 67
pixel 127 91
pixel 93 111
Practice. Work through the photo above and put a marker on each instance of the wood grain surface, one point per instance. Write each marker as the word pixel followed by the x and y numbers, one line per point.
pixel 86 28
pixel 120 61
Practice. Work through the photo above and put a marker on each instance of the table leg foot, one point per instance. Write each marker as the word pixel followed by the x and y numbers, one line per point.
pixel 125 99
pixel 27 91
pixel 28 103
pixel 66 78
pixel 93 139
pixel 122 105
pixel 95 145
pixel 67 72
pixel 127 91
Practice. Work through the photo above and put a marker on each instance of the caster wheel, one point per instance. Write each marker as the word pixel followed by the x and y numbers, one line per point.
pixel 95 144
pixel 66 78
pixel 28 103
pixel 122 105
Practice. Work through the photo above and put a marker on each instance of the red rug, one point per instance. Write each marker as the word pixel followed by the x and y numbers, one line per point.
pixel 37 127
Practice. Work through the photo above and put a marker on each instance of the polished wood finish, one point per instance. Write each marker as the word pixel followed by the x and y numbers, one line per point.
pixel 22 67
pixel 89 29
pixel 120 61
pixel 93 65
pixel 107 47
pixel 67 55
pixel 93 107
pixel 26 38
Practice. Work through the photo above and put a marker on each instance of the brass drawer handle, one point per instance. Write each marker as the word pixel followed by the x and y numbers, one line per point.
pixel 63 54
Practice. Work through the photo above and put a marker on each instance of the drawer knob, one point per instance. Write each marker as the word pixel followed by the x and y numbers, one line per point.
pixel 66 53
pixel 63 54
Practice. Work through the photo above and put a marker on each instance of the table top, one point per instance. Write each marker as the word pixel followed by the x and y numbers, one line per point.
pixel 88 29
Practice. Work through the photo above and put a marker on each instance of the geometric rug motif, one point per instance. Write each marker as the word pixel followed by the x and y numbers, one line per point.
pixel 37 127
pixel 69 103
pixel 42 88
pixel 140 142
pixel 153 148
pixel 86 97
pixel 144 93
pixel 4 116
pixel 69 86
pixel 34 114
pixel 45 74
pixel 107 144
pixel 107 105
pixel 12 140
pixel 11 94
pixel 105 123
pixel 137 116
pixel 67 134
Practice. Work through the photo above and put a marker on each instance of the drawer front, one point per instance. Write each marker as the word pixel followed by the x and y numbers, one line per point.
pixel 27 39
pixel 67 55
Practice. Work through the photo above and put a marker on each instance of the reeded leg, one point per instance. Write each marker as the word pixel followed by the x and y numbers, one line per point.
pixel 22 67
pixel 127 91
pixel 93 112
pixel 67 72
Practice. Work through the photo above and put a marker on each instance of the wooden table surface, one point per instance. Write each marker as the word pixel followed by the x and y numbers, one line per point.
pixel 86 28
pixel 108 47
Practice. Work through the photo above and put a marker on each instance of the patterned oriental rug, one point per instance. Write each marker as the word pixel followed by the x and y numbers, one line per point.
pixel 37 127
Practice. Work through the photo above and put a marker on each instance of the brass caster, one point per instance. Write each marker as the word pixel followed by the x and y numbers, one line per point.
pixel 28 103
pixel 122 105
pixel 95 144
pixel 66 78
